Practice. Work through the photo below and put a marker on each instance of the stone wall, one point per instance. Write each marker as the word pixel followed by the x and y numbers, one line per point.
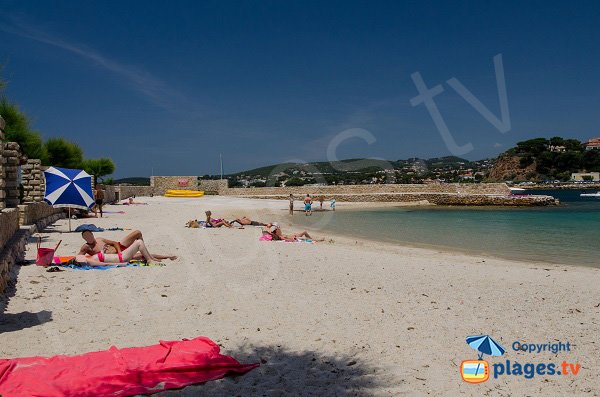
pixel 126 191
pixel 9 224
pixel 213 186
pixel 11 248
pixel 112 192
pixel 433 198
pixel 32 213
pixel 2 165
pixel 11 156
pixel 456 188
pixel 163 183
pixel 33 181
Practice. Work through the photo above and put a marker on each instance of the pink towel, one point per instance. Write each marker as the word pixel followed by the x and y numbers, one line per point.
pixel 118 372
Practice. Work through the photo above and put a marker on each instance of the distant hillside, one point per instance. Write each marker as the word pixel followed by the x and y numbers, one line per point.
pixel 363 171
pixel 353 165
pixel 137 181
pixel 543 159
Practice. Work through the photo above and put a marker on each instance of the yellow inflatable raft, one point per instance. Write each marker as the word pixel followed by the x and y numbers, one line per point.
pixel 184 193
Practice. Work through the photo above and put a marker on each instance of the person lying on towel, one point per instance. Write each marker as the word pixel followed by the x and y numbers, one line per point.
pixel 277 234
pixel 245 221
pixel 98 245
pixel 102 259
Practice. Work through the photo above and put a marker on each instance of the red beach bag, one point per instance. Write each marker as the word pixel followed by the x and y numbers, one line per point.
pixel 45 255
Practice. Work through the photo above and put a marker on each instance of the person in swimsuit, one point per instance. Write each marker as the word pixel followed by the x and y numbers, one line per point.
pixel 99 200
pixel 95 245
pixel 102 259
pixel 307 205
pixel 291 204
pixel 244 220
pixel 130 201
pixel 211 222
pixel 277 234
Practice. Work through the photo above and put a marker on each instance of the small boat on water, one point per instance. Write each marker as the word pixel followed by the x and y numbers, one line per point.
pixel 517 191
pixel 597 195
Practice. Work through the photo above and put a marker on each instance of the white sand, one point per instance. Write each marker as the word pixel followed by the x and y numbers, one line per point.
pixel 398 315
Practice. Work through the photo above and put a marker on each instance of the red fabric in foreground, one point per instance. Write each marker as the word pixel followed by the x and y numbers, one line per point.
pixel 118 372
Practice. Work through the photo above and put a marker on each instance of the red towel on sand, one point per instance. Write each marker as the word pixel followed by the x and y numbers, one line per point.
pixel 118 372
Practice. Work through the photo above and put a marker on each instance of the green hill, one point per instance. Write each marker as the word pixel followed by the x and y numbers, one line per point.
pixel 543 159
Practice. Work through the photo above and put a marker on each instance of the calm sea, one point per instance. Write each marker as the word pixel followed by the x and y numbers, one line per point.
pixel 565 234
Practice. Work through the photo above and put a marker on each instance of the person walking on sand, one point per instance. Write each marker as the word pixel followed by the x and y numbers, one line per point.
pixel 332 204
pixel 291 204
pixel 321 199
pixel 99 200
pixel 307 205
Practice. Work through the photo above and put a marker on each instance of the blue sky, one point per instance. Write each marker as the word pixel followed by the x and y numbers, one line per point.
pixel 166 87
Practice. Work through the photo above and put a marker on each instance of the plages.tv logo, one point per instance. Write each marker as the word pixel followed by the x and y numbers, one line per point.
pixel 478 371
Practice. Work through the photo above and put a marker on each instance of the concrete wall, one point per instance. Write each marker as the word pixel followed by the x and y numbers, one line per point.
pixel 163 183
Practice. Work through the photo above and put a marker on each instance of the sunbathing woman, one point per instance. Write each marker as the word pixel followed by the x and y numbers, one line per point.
pixel 210 222
pixel 277 234
pixel 244 220
pixel 102 259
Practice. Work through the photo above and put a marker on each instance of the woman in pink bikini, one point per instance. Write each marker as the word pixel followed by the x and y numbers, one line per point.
pixel 103 259
pixel 210 222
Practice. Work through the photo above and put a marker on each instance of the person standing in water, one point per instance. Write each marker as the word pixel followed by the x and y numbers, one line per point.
pixel 307 205
pixel 291 204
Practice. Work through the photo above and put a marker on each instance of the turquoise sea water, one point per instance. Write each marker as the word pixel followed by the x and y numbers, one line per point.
pixel 566 234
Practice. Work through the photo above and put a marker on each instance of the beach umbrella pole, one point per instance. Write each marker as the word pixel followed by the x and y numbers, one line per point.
pixel 69 219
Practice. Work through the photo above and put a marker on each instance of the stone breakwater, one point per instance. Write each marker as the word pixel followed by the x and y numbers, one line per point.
pixel 454 199
pixel 500 189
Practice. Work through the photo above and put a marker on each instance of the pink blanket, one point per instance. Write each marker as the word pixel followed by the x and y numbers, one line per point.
pixel 118 372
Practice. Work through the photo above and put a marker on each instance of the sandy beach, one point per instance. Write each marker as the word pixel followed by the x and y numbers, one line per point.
pixel 338 318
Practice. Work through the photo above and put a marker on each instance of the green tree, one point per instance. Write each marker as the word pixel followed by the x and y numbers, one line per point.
pixel 62 153
pixel 574 145
pixel 532 146
pixel 99 167
pixel 591 161
pixel 18 130
pixel 557 141
pixel 294 182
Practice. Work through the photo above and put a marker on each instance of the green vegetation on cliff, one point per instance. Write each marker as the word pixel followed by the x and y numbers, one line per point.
pixel 543 159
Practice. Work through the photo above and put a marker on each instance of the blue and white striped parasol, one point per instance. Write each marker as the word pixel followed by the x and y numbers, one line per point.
pixel 485 345
pixel 68 188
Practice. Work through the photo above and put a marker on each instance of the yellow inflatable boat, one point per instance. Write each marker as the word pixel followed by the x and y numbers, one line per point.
pixel 184 193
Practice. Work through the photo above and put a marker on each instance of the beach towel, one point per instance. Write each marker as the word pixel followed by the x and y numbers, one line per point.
pixel 93 228
pixel 119 372
pixel 66 261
